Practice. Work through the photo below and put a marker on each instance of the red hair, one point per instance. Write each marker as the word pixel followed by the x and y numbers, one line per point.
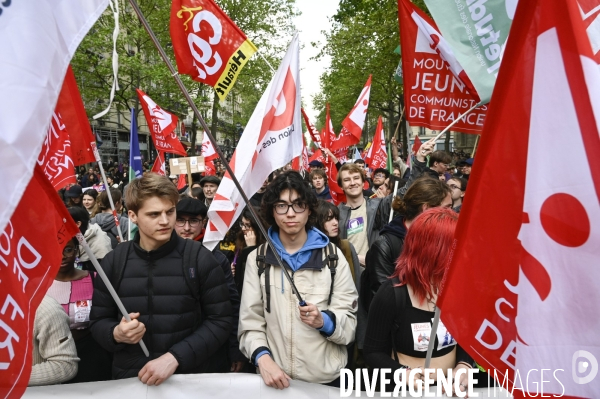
pixel 426 252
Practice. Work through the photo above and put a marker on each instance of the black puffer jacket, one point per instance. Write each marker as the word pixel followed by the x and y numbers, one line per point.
pixel 154 285
pixel 380 260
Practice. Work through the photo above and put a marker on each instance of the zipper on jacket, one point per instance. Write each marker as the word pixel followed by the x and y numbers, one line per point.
pixel 149 341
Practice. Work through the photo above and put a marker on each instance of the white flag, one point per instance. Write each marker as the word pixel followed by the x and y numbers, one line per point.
pixel 37 40
pixel 272 138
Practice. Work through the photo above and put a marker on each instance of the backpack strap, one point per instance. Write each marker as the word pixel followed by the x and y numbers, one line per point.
pixel 398 314
pixel 191 250
pixel 262 267
pixel 331 258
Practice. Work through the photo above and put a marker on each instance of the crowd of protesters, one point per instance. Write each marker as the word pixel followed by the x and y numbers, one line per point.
pixel 369 271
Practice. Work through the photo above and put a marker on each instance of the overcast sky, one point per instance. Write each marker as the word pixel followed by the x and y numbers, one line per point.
pixel 310 23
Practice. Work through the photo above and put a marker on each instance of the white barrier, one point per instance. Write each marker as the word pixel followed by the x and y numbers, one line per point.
pixel 198 386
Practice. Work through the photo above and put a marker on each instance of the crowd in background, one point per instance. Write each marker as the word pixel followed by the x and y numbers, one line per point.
pixel 385 250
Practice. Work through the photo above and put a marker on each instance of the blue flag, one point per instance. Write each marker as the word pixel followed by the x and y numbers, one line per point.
pixel 356 154
pixel 135 159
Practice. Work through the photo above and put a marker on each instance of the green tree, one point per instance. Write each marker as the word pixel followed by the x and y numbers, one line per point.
pixel 362 40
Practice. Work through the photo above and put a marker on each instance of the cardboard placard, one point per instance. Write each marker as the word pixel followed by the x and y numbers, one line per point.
pixel 179 166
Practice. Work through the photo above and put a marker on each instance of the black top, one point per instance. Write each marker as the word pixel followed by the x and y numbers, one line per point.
pixel 411 337
pixel 153 284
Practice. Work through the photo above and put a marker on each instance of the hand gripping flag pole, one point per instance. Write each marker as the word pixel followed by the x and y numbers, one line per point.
pixel 192 105
pixel 108 284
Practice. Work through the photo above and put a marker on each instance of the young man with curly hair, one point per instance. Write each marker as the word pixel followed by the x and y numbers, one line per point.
pixel 283 339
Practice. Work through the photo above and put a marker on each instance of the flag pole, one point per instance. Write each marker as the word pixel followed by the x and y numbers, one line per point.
pixel 108 285
pixel 196 111
pixel 392 210
pixel 475 147
pixel 107 189
pixel 436 322
pixel 454 122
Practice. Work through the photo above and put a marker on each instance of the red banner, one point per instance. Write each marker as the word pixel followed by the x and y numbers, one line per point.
pixel 337 194
pixel 377 155
pixel 162 125
pixel 314 134
pixel 159 164
pixel 71 110
pixel 353 124
pixel 435 91
pixel 30 255
pixel 528 252
pixel 208 45
pixel 55 159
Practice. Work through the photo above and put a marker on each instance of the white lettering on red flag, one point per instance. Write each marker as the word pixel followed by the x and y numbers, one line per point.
pixel 531 249
pixel 30 255
pixel 37 41
pixel 436 88
pixel 208 46
pixel 274 131
pixel 55 158
pixel 162 126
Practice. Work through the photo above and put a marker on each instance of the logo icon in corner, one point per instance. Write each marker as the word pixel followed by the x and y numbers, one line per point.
pixel 584 367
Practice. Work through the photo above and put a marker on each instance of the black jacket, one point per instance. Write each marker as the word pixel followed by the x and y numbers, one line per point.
pixel 380 260
pixel 154 285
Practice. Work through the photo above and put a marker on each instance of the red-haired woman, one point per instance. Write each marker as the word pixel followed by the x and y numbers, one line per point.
pixel 401 314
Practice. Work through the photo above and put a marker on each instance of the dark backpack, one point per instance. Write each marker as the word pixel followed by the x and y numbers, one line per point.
pixel 331 259
pixel 191 250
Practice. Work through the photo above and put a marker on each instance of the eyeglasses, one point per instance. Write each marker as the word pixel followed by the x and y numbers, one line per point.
pixel 283 208
pixel 245 225
pixel 181 222
pixel 68 251
pixel 453 187
pixel 379 175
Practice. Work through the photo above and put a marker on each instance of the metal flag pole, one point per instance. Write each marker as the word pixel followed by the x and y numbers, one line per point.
pixel 198 115
pixel 107 188
pixel 436 322
pixel 392 210
pixel 108 285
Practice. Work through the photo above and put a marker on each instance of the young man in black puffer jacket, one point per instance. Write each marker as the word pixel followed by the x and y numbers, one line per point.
pixel 181 311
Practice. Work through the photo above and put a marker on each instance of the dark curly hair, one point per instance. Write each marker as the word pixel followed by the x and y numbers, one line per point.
pixel 289 180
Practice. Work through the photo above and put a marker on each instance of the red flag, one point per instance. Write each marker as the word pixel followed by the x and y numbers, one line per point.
pixel 590 13
pixel 337 194
pixel 159 164
pixel 162 125
pixel 377 155
pixel 352 126
pixel 436 88
pixel 55 159
pixel 301 162
pixel 208 46
pixel 314 134
pixel 181 182
pixel 327 135
pixel 317 156
pixel 209 168
pixel 528 251
pixel 31 252
pixel 71 110
pixel 208 150
pixel 416 145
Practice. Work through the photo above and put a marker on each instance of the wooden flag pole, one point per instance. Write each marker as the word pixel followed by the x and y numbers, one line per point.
pixel 475 147
pixel 454 122
pixel 210 136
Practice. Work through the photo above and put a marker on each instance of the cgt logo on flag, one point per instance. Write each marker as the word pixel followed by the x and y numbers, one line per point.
pixel 208 45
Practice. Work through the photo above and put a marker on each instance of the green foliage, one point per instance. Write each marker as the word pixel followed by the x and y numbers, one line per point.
pixel 268 23
pixel 362 41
